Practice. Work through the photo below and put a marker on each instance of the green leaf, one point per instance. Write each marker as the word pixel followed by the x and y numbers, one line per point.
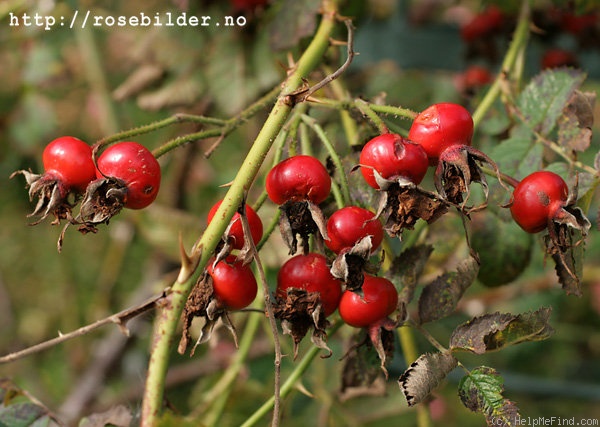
pixel 424 375
pixel 575 123
pixel 518 156
pixel 481 391
pixel 495 331
pixel 544 98
pixel 440 297
pixel 406 270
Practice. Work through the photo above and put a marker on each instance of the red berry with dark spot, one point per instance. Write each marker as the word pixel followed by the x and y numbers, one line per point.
pixel 379 300
pixel 132 165
pixel 440 126
pixel 236 231
pixel 298 178
pixel 69 160
pixel 349 225
pixel 536 199
pixel 234 284
pixel 311 273
pixel 393 157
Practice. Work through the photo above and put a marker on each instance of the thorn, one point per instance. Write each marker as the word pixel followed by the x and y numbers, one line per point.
pixel 188 264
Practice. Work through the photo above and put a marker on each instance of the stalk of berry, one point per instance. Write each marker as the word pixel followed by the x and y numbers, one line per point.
pixel 298 185
pixel 68 169
pixel 395 166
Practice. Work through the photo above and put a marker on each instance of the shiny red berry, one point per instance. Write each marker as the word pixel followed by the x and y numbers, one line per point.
pixel 311 273
pixel 536 199
pixel 298 178
pixel 393 157
pixel 236 231
pixel 379 300
pixel 234 284
pixel 69 160
pixel 440 126
pixel 133 166
pixel 347 226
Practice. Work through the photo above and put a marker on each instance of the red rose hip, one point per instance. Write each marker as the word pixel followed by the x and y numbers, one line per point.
pixel 441 126
pixel 70 161
pixel 393 157
pixel 236 231
pixel 234 284
pixel 349 225
pixel 298 178
pixel 536 199
pixel 134 166
pixel 311 273
pixel 379 300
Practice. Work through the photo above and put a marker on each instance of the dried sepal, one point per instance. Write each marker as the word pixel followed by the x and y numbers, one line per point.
pixel 298 221
pixel 202 303
pixel 52 197
pixel 458 167
pixel 300 311
pixel 350 264
pixel 565 242
pixel 104 198
pixel 403 205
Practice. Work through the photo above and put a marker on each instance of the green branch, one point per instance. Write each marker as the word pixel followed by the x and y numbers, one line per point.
pixel 167 321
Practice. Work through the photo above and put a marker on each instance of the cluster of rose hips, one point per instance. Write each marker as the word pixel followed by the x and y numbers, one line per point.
pixel 311 285
pixel 125 175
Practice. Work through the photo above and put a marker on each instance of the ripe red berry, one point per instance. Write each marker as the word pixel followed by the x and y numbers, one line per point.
pixel 392 156
pixel 236 231
pixel 134 166
pixel 350 224
pixel 440 126
pixel 379 300
pixel 536 199
pixel 311 273
pixel 234 284
pixel 298 178
pixel 69 160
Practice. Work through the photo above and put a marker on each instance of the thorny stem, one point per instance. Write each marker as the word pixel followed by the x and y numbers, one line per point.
pixel 121 318
pixel 365 108
pixel 193 265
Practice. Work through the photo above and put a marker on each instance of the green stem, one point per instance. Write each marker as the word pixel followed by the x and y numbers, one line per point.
pixel 514 51
pixel 160 124
pixel 219 393
pixel 365 108
pixel 312 123
pixel 289 384
pixel 191 269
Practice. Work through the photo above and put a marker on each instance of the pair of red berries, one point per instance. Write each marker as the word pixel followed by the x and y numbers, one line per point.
pixel 390 157
pixel 68 163
pixel 311 273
